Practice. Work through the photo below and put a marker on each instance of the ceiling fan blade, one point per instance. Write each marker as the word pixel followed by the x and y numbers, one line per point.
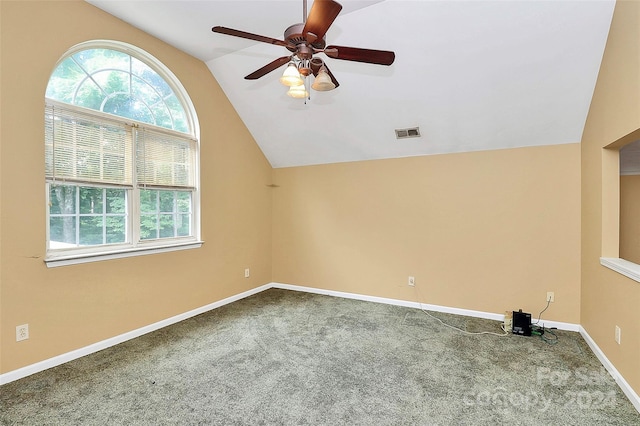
pixel 268 68
pixel 370 56
pixel 322 15
pixel 250 36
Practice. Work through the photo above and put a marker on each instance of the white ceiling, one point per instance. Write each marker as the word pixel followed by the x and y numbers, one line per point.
pixel 473 75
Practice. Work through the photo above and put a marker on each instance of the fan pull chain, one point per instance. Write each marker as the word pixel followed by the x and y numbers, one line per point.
pixel 307 87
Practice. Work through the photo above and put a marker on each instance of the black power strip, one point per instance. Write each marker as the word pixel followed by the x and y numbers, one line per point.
pixel 521 323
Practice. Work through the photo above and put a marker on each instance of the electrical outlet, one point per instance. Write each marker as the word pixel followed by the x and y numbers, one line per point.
pixel 22 332
pixel 550 297
pixel 618 332
pixel 246 273
pixel 411 281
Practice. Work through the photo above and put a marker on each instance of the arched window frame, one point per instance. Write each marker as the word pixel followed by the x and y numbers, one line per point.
pixel 135 132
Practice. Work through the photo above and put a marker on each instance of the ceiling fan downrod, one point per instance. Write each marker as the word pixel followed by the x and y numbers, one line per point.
pixel 304 11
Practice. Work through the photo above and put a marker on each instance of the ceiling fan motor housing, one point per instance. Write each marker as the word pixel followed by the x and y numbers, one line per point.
pixel 297 41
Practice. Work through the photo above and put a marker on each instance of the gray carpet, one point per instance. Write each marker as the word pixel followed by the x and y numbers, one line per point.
pixel 289 358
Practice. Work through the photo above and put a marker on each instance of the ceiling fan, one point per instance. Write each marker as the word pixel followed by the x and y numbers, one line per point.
pixel 305 40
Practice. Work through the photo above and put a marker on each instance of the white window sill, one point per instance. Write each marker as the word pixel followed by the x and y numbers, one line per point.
pixel 621 266
pixel 74 259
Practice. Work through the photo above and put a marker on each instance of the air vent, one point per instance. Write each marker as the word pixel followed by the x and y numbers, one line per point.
pixel 413 132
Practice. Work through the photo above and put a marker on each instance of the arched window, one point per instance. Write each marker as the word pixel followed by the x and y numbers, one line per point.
pixel 121 153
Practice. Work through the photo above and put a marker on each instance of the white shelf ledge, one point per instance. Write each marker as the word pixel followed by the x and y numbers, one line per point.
pixel 621 266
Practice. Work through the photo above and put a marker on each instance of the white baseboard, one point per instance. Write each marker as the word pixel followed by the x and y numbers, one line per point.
pixel 426 306
pixel 70 356
pixel 624 385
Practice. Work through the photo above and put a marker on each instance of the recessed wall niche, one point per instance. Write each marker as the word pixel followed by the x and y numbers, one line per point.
pixel 630 202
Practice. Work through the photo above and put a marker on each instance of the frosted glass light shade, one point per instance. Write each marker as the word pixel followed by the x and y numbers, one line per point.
pixel 291 76
pixel 323 81
pixel 298 92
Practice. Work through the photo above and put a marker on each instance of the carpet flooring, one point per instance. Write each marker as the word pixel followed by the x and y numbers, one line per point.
pixel 289 358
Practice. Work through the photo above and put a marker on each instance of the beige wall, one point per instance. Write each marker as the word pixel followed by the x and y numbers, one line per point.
pixel 608 298
pixel 73 306
pixel 489 231
pixel 630 218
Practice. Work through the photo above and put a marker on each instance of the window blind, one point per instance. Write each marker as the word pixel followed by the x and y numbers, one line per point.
pixel 164 159
pixel 82 147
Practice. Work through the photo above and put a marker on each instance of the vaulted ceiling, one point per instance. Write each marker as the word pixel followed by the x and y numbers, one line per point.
pixel 472 75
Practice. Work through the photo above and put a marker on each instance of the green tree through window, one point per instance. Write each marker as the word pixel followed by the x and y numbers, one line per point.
pixel 116 83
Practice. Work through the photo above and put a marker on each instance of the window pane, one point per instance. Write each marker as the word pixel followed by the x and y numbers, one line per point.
pixel 62 199
pixel 166 226
pixel 62 229
pixel 144 72
pixel 148 200
pixel 112 82
pixel 142 90
pixel 91 230
pixel 63 81
pixel 94 60
pixel 91 200
pixel 119 104
pixel 161 115
pixel 180 122
pixel 116 229
pixel 166 201
pixel 184 225
pixel 148 226
pixel 184 202
pixel 116 201
pixel 88 95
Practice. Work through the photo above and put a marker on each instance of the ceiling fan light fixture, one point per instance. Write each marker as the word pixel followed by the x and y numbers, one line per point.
pixel 298 92
pixel 323 81
pixel 291 76
pixel 303 41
